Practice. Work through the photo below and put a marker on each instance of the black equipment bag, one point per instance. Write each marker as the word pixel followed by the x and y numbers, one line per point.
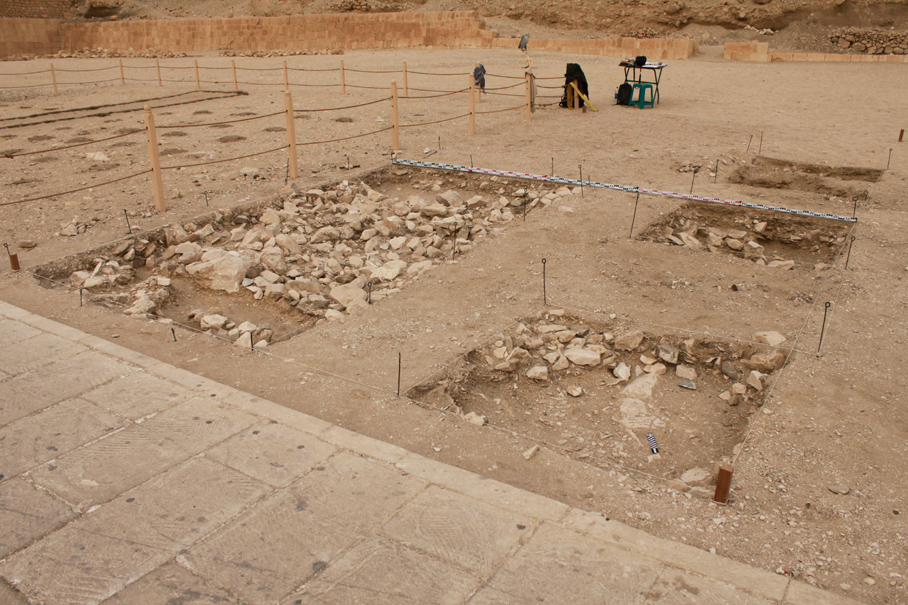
pixel 573 72
pixel 624 94
pixel 640 61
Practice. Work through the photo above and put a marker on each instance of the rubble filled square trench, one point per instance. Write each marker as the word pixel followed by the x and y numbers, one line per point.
pixel 261 274
pixel 595 388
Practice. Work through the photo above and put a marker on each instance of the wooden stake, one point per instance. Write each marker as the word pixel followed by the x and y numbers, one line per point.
pixel 576 97
pixel 286 78
pixel 395 118
pixel 406 85
pixel 901 132
pixel 570 97
pixel 157 66
pixel 472 105
pixel 122 75
pixel 154 160
pixel 343 79
pixel 236 85
pixel 723 483
pixel 529 101
pixel 291 135
pixel 53 77
pixel 198 81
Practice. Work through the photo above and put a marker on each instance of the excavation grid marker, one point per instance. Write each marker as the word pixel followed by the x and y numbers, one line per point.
pixel 625 188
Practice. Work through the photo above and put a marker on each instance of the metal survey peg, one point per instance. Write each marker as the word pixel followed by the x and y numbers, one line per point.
pixel 369 293
pixel 580 166
pixel 848 258
pixel 634 218
pixel 545 301
pixel 823 330
pixel 128 227
pixel 174 334
pixel 398 373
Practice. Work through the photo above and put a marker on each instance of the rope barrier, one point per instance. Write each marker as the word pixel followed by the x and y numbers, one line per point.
pixel 369 71
pixel 341 108
pixel 269 115
pixel 503 94
pixel 29 73
pixel 52 149
pixel 426 73
pixel 435 122
pixel 506 87
pixel 366 87
pixel 446 94
pixel 79 71
pixel 31 86
pixel 506 77
pixel 305 69
pixel 258 68
pixel 358 136
pixel 44 197
pixel 500 110
pixel 242 157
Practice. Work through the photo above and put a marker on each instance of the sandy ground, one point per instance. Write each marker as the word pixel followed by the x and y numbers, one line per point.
pixel 833 419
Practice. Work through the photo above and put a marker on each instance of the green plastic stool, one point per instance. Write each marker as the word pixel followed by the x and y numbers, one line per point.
pixel 641 101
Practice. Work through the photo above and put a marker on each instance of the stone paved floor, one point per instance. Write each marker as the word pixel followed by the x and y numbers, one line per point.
pixel 126 480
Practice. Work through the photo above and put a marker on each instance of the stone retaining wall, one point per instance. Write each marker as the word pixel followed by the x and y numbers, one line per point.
pixel 330 31
pixel 759 52
pixel 28 37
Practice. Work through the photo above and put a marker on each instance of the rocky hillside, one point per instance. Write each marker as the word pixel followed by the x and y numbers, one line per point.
pixel 808 24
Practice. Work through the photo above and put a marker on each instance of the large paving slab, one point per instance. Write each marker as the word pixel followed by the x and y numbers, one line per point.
pixel 126 480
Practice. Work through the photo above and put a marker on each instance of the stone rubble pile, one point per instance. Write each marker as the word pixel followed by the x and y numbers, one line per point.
pixel 277 53
pixel 870 41
pixel 545 348
pixel 747 241
pixel 327 253
pixel 94 53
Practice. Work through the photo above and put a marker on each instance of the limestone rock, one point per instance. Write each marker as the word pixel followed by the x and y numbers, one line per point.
pixel 474 418
pixel 755 380
pixel 629 341
pixel 773 339
pixel 841 490
pixel 622 372
pixel 142 306
pixel 347 294
pixel 244 340
pixel 225 273
pixel 582 357
pixel 531 452
pixel 575 391
pixel 538 373
pixel 765 362
pixel 696 477
pixel 734 244
pixel 753 250
pixel 642 387
pixel 668 353
pixel 685 372
pixel 213 322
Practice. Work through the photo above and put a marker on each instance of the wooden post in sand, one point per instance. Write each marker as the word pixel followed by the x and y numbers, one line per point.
pixel 198 81
pixel 395 118
pixel 53 77
pixel 157 66
pixel 154 159
pixel 236 85
pixel 286 78
pixel 529 97
pixel 291 136
pixel 122 75
pixel 406 86
pixel 472 105
pixel 343 79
